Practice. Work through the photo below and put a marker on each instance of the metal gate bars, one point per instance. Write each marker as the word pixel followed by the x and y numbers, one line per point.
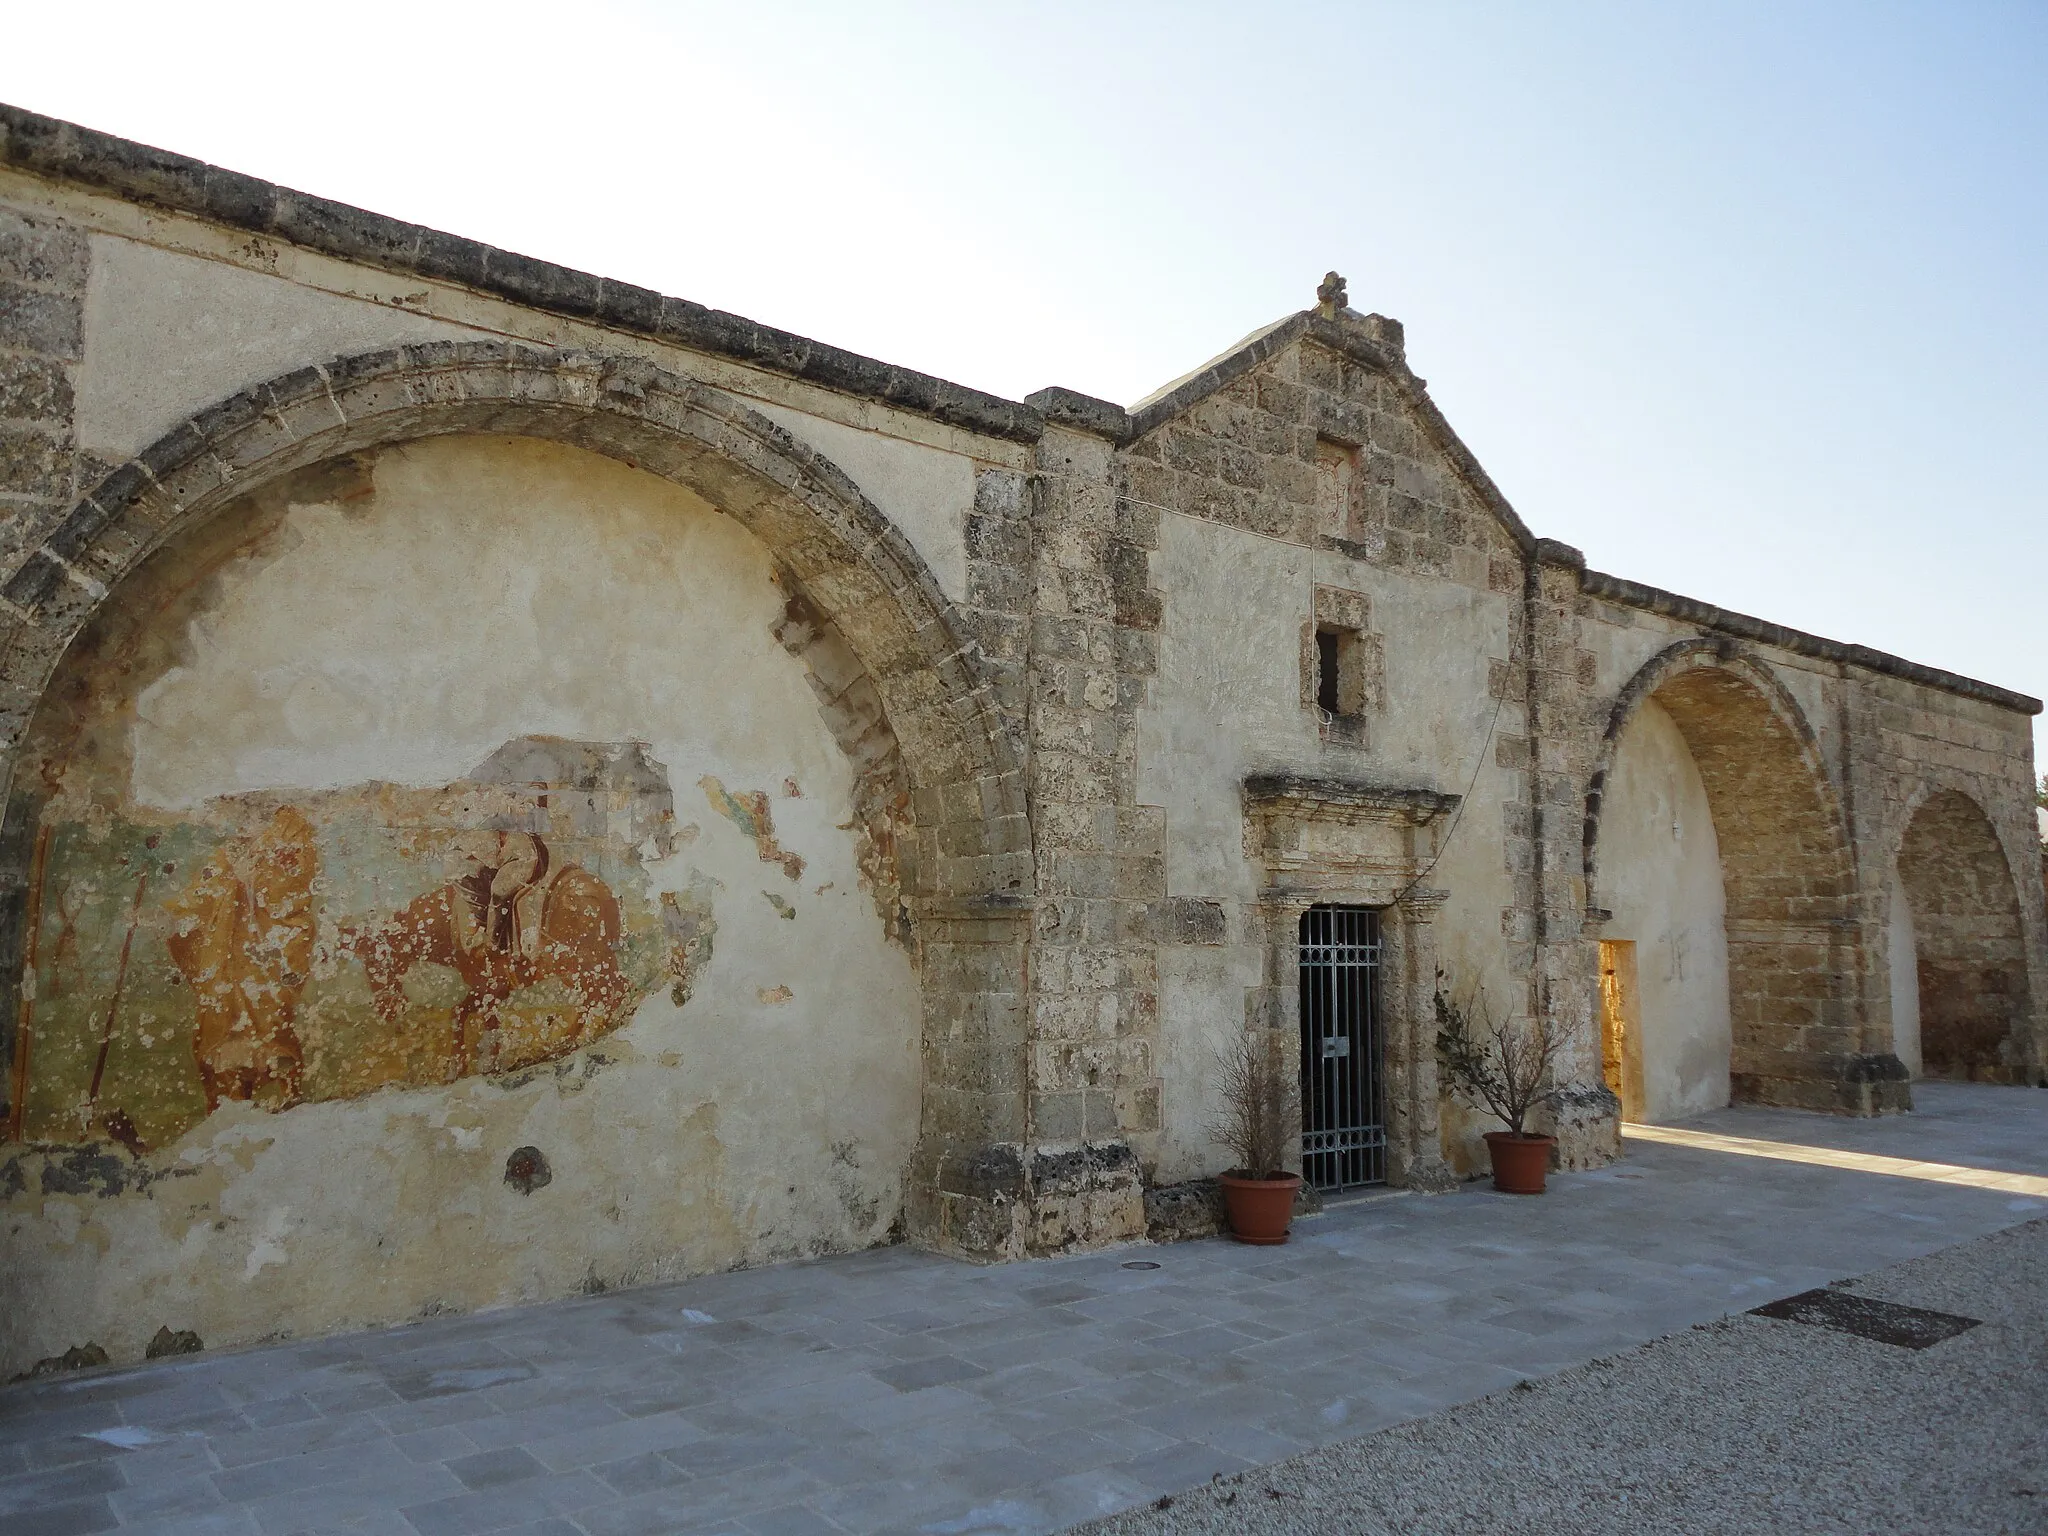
pixel 1343 1124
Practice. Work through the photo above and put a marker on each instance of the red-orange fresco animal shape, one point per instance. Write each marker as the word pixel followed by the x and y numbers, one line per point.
pixel 569 931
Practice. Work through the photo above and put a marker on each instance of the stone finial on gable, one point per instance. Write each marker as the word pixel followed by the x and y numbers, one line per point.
pixel 1331 295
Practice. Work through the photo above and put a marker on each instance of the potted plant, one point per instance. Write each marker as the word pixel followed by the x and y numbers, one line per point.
pixel 1501 1066
pixel 1260 1118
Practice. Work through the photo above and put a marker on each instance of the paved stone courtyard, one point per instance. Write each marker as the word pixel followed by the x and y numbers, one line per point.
pixel 1739 1427
pixel 896 1391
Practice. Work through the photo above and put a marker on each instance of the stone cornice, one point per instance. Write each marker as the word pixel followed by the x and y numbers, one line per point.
pixel 1632 594
pixel 59 151
pixel 1181 396
pixel 1084 413
pixel 1302 795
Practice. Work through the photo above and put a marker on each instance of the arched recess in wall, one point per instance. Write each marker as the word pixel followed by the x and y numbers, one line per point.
pixel 901 688
pixel 1794 947
pixel 1664 1008
pixel 1969 948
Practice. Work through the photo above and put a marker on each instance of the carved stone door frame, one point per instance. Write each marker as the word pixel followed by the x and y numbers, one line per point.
pixel 1332 841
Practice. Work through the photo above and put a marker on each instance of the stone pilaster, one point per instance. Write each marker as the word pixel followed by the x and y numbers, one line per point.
pixel 1564 983
pixel 1873 1080
pixel 967 1191
pixel 1415 1154
pixel 43 264
pixel 1092 1082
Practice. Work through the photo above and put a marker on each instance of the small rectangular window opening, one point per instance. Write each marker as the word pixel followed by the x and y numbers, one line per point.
pixel 1340 672
pixel 1328 664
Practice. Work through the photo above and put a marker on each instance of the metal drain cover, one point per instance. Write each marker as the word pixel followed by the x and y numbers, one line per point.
pixel 1868 1318
pixel 1140 1264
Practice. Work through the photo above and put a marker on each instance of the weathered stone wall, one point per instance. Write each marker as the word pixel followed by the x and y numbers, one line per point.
pixel 1307 491
pixel 459 673
pixel 1228 708
pixel 1917 747
pixel 167 315
pixel 1061 659
pixel 1903 976
pixel 1859 741
pixel 902 707
pixel 43 267
pixel 1092 1077
pixel 1974 1005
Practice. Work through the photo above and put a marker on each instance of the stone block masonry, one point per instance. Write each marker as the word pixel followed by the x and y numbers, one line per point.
pixel 1035 727
pixel 43 266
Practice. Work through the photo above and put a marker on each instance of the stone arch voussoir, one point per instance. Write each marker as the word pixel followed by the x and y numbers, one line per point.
pixel 1669 664
pixel 856 568
pixel 1971 954
pixel 899 681
pixel 1795 939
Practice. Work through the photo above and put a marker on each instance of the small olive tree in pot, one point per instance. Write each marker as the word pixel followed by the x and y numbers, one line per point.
pixel 1260 1117
pixel 1502 1066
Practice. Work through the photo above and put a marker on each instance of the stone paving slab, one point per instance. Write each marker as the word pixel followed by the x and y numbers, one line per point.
pixel 1747 1424
pixel 897 1391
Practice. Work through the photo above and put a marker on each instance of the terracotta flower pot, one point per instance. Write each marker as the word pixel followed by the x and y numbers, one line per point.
pixel 1520 1163
pixel 1260 1210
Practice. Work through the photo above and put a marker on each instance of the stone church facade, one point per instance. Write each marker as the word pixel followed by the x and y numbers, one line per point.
pixel 517 784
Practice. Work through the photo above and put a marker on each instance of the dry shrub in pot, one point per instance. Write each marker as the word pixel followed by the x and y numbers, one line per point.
pixel 1259 1120
pixel 1261 1112
pixel 1504 1067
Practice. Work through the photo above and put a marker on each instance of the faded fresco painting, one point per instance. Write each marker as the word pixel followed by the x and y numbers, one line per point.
pixel 369 850
pixel 280 950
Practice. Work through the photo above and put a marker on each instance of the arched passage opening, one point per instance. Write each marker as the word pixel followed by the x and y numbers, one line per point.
pixel 1664 950
pixel 1793 945
pixel 389 744
pixel 1967 971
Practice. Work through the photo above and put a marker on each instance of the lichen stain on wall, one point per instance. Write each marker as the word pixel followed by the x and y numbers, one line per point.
pixel 354 867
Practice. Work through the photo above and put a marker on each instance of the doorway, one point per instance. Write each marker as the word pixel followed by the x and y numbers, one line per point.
pixel 1621 1025
pixel 1343 1120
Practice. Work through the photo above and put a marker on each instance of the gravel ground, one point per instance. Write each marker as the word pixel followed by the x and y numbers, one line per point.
pixel 1745 1425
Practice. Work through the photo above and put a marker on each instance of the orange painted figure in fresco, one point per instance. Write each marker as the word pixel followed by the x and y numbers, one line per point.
pixel 511 918
pixel 243 937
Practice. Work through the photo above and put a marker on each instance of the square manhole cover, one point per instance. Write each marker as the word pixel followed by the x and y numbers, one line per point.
pixel 1865 1316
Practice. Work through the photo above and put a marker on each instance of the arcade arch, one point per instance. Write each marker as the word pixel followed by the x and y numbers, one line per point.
pixel 1793 947
pixel 1960 982
pixel 938 794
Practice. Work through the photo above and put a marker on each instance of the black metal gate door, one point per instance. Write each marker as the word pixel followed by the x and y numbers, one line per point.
pixel 1343 1129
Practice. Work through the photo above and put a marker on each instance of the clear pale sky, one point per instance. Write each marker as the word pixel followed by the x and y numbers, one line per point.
pixel 1745 300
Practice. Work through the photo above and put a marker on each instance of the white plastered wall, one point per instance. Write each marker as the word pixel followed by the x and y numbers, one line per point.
pixel 169 332
pixel 1660 875
pixel 1227 704
pixel 491 589
pixel 927 493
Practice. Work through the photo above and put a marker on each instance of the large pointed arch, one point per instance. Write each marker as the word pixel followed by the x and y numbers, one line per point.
pixel 903 688
pixel 1795 946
